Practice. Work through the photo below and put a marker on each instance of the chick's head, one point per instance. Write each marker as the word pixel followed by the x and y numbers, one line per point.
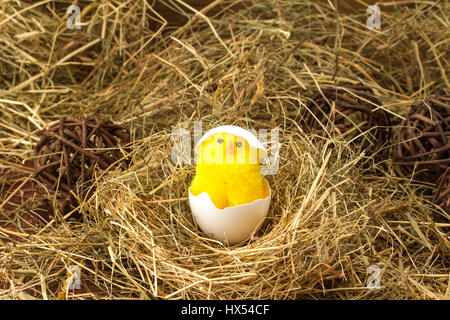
pixel 225 148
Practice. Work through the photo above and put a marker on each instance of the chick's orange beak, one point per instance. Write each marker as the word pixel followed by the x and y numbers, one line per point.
pixel 230 148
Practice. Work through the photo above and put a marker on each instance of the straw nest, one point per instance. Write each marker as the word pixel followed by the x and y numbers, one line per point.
pixel 336 210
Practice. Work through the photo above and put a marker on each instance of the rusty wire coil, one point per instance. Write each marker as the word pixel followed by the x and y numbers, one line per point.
pixel 352 109
pixel 69 152
pixel 423 140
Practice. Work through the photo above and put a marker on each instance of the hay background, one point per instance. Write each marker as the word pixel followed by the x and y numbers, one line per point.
pixel 334 211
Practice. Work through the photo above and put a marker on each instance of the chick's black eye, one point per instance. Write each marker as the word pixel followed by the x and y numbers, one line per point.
pixel 220 140
pixel 239 144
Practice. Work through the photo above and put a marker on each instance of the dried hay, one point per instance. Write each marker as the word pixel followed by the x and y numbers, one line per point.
pixel 331 216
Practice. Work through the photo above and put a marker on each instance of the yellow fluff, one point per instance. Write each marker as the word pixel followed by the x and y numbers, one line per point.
pixel 228 170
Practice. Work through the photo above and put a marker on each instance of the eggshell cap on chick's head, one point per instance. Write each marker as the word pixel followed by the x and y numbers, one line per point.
pixel 251 139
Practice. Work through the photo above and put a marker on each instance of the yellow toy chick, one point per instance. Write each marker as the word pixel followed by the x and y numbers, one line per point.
pixel 228 170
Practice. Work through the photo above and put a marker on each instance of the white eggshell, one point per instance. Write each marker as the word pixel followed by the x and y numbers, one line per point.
pixel 232 224
pixel 235 130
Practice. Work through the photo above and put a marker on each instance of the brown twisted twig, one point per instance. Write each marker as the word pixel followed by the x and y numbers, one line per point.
pixel 340 105
pixel 442 191
pixel 66 156
pixel 423 139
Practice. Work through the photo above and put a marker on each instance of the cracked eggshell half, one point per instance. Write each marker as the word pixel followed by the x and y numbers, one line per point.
pixel 232 224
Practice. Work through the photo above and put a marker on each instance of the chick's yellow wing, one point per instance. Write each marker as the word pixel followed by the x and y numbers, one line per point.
pixel 215 189
pixel 245 187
